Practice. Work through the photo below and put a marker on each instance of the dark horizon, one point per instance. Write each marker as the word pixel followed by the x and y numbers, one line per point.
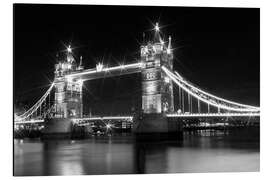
pixel 217 49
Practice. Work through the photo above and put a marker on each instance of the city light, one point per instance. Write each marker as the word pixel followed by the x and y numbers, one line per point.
pixel 146 49
pixel 167 79
pixel 69 49
pixel 16 127
pixel 151 88
pixel 80 82
pixel 99 67
pixel 165 108
pixel 74 121
pixel 108 126
pixel 60 97
pixel 157 27
pixel 69 79
pixel 168 51
pixel 161 42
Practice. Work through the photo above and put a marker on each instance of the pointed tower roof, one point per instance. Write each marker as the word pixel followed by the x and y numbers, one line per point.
pixel 143 35
pixel 157 34
pixel 169 49
pixel 70 57
pixel 80 61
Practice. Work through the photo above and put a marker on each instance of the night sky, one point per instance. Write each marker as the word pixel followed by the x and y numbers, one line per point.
pixel 217 49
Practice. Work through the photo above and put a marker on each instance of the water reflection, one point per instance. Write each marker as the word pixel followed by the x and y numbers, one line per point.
pixel 197 152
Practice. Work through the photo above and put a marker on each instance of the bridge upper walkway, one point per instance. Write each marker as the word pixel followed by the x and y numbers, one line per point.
pixel 103 72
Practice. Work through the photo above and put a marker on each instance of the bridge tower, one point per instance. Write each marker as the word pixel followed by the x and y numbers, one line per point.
pixel 157 88
pixel 68 95
pixel 68 91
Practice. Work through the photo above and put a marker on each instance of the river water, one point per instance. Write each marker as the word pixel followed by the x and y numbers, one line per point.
pixel 201 151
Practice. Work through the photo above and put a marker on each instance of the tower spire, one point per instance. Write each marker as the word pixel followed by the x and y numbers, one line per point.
pixel 169 49
pixel 80 61
pixel 69 50
pixel 143 38
pixel 157 34
pixel 70 58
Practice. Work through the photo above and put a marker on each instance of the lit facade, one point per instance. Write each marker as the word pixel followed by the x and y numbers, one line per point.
pixel 157 88
pixel 68 91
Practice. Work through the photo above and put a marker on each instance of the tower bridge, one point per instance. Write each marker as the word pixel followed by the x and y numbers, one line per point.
pixel 158 78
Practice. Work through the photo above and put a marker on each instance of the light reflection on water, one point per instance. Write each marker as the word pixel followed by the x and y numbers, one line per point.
pixel 198 152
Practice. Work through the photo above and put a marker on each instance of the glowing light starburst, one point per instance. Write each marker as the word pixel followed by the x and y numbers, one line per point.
pixel 69 49
pixel 157 27
pixel 108 126
pixel 99 67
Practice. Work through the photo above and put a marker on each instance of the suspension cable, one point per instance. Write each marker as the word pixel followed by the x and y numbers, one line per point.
pixel 179 77
pixel 35 106
pixel 175 79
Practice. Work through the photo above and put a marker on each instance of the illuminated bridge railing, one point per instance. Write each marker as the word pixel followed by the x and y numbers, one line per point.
pixel 128 118
pixel 32 121
pixel 214 115
pixel 78 120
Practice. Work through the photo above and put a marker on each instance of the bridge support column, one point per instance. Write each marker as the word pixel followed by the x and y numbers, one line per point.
pixel 68 99
pixel 157 92
pixel 57 128
pixel 157 127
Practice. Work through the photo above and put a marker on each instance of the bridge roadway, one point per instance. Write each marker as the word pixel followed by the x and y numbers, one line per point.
pixel 103 72
pixel 75 120
pixel 130 118
pixel 186 115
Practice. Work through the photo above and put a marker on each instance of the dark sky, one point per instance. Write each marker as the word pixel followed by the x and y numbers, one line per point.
pixel 217 49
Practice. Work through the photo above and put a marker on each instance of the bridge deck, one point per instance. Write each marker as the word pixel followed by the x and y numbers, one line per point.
pixel 214 115
pixel 130 118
